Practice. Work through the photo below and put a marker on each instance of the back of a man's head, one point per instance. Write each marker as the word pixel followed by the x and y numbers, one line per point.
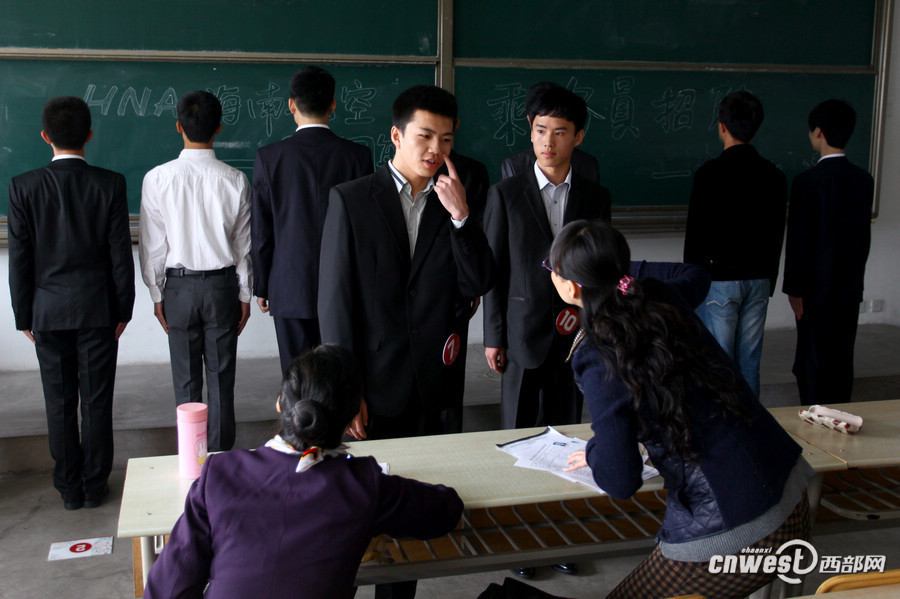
pixel 67 122
pixel 312 90
pixel 836 119
pixel 741 113
pixel 558 102
pixel 200 114
pixel 429 98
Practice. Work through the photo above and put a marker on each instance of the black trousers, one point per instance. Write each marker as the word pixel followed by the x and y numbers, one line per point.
pixel 295 336
pixel 203 313
pixel 79 364
pixel 823 362
pixel 541 396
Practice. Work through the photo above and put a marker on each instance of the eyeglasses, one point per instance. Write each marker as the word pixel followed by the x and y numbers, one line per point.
pixel 546 264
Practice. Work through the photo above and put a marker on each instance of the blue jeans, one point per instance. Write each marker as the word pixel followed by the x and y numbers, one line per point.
pixel 735 314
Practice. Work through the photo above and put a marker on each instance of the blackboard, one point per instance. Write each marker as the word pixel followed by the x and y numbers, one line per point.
pixel 650 130
pixel 802 32
pixel 133 110
pixel 295 26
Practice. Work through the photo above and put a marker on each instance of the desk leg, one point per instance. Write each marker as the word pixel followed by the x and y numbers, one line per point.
pixel 148 556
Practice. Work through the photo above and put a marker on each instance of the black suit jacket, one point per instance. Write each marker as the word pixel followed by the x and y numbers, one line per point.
pixel 394 312
pixel 583 164
pixel 70 259
pixel 829 233
pixel 291 181
pixel 520 312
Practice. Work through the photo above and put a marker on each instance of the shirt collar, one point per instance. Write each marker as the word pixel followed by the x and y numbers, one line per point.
pixel 311 125
pixel 197 154
pixel 401 182
pixel 543 181
pixel 67 156
pixel 835 155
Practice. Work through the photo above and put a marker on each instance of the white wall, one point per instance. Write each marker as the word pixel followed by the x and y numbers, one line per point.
pixel 144 340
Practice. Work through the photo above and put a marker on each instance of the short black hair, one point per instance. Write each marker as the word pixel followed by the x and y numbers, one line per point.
pixel 429 98
pixel 67 122
pixel 836 119
pixel 534 92
pixel 558 102
pixel 200 114
pixel 741 113
pixel 312 90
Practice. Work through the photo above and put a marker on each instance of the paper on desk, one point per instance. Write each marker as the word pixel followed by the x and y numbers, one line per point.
pixel 550 450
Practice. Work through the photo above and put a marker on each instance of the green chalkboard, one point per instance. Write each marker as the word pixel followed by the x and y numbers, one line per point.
pixel 133 110
pixel 807 32
pixel 296 26
pixel 650 130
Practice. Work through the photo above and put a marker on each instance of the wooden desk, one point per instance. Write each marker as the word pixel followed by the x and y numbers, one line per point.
pixel 876 445
pixel 153 496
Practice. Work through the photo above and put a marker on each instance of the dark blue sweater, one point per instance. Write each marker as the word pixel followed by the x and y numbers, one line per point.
pixel 741 469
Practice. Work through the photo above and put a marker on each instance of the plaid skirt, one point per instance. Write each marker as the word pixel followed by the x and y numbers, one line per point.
pixel 658 576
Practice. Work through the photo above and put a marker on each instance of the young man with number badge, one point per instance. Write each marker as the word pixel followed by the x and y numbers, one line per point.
pixel 527 328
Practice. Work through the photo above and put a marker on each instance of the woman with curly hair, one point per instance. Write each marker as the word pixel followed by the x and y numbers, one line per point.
pixel 652 374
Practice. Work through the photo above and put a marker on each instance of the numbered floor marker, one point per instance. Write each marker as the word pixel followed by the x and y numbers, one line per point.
pixel 80 548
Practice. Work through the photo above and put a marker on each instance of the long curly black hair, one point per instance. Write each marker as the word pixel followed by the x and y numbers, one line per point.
pixel 652 344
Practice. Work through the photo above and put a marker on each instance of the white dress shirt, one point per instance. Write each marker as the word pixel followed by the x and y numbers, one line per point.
pixel 555 197
pixel 414 206
pixel 195 214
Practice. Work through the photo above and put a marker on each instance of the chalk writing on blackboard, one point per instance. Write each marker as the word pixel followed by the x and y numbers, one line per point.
pixel 382 147
pixel 586 94
pixel 621 112
pixel 230 99
pixel 357 100
pixel 268 106
pixel 167 102
pixel 508 112
pixel 676 109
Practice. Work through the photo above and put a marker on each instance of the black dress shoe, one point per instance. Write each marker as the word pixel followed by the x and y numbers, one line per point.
pixel 524 573
pixel 73 500
pixel 567 568
pixel 92 500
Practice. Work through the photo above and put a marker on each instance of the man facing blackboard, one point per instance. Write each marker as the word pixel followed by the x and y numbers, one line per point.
pixel 71 279
pixel 735 227
pixel 291 181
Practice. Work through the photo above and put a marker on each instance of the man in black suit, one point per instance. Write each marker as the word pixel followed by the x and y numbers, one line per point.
pixel 291 181
pixel 828 237
pixel 583 163
pixel 401 257
pixel 71 280
pixel 527 328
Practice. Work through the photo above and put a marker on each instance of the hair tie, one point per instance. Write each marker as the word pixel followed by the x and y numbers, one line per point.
pixel 624 284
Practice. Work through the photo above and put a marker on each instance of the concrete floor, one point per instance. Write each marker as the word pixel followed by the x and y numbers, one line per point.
pixel 31 514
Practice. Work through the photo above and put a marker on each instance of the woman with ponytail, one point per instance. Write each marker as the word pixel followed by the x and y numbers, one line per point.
pixel 293 518
pixel 652 374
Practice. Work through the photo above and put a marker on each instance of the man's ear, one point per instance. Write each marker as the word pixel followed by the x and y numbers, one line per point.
pixel 178 127
pixel 396 134
pixel 46 137
pixel 291 106
pixel 579 137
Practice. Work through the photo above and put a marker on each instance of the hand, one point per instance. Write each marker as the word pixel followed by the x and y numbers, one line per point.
pixel 245 316
pixel 577 459
pixel 451 193
pixel 357 426
pixel 496 358
pixel 120 328
pixel 263 304
pixel 160 314
pixel 29 335
pixel 796 306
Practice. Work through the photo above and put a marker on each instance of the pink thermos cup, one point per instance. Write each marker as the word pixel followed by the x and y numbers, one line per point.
pixel 191 438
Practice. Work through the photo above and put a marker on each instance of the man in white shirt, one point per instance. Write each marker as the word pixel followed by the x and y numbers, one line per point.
pixel 195 258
